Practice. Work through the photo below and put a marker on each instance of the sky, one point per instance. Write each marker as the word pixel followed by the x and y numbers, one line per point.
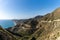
pixel 23 9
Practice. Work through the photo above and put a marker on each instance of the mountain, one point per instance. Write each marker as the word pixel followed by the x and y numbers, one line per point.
pixel 26 20
pixel 24 25
pixel 45 27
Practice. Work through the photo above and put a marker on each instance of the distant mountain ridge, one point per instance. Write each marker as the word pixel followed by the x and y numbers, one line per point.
pixel 45 27
pixel 24 20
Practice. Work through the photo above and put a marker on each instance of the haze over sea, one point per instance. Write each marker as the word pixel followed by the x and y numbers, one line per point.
pixel 6 23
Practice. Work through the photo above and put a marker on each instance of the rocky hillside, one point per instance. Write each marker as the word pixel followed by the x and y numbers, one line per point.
pixel 5 35
pixel 45 27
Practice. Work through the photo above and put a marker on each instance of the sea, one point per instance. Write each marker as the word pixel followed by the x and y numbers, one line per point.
pixel 6 23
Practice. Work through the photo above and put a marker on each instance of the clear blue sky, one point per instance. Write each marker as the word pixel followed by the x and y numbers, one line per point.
pixel 21 9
